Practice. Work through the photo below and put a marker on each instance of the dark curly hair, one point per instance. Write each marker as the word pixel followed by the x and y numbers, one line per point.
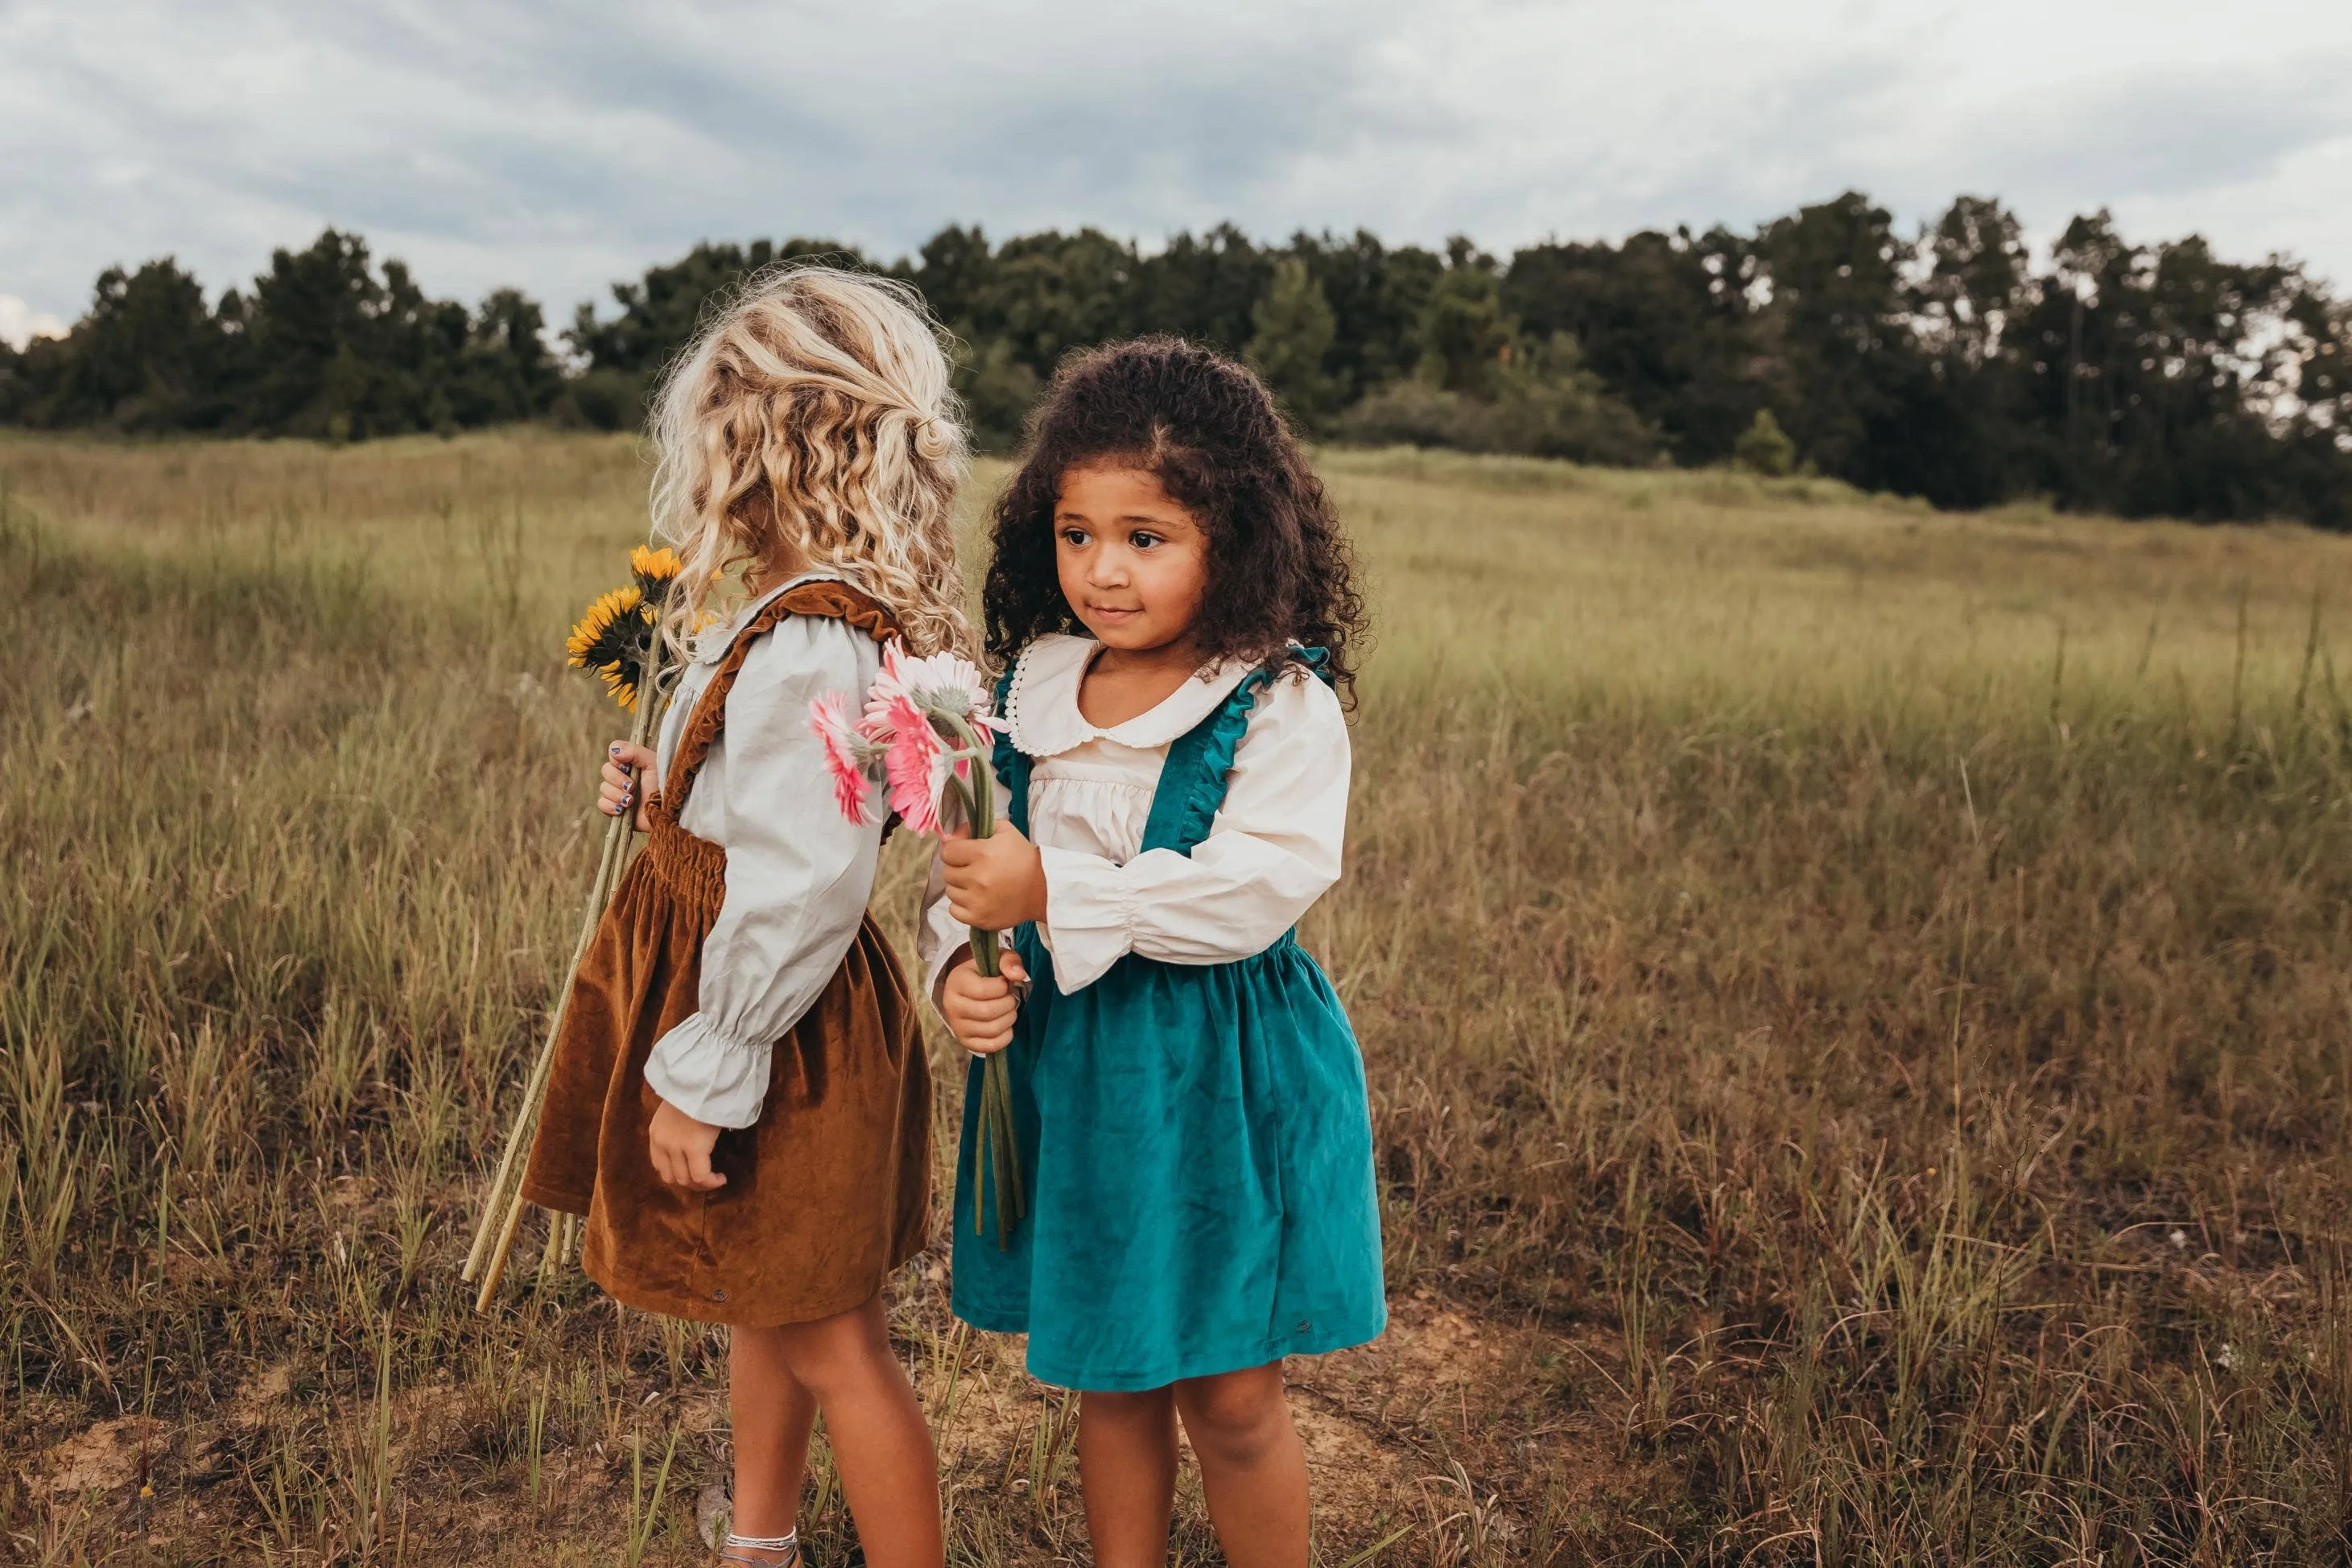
pixel 1280 566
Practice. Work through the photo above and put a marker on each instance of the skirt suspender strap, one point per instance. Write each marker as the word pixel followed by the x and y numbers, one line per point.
pixel 836 601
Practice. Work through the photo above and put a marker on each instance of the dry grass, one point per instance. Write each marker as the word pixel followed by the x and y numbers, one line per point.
pixel 1855 1002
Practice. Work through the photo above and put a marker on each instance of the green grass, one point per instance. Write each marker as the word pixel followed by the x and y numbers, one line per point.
pixel 1858 1006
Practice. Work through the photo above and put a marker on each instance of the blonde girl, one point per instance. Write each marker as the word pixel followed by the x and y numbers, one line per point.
pixel 740 1104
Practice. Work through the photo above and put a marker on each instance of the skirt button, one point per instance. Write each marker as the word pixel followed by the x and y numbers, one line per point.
pixel 719 1295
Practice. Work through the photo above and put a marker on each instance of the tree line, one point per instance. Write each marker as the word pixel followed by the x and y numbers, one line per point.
pixel 1951 364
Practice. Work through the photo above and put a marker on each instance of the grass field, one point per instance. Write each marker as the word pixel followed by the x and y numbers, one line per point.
pixel 1858 1006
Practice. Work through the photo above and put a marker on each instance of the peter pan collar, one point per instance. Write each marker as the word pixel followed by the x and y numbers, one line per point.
pixel 1043 707
pixel 711 642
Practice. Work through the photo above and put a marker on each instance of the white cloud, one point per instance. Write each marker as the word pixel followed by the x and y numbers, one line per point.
pixel 20 323
pixel 503 142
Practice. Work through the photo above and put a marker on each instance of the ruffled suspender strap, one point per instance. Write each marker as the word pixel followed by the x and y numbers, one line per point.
pixel 836 601
pixel 1192 780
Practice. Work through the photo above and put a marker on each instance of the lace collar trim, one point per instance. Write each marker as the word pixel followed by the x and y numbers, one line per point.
pixel 1043 706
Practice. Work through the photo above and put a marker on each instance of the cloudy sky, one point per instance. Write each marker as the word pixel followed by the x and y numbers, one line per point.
pixel 559 147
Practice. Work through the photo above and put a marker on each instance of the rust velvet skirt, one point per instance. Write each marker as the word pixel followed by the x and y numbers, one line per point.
pixel 825 1195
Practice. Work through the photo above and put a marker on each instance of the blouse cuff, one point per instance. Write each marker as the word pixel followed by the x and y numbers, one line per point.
pixel 709 1076
pixel 1089 921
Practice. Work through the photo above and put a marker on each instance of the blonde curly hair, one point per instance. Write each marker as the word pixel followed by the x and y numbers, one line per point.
pixel 811 425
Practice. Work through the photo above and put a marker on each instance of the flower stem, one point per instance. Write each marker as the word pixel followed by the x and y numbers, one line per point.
pixel 996 1152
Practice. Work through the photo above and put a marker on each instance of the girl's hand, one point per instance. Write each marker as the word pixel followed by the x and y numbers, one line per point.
pixel 994 883
pixel 980 1008
pixel 619 791
pixel 681 1148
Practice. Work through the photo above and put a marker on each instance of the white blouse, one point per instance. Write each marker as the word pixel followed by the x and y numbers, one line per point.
pixel 1272 850
pixel 798 872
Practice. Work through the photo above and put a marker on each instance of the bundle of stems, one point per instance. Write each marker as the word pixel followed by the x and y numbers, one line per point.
pixel 620 639
pixel 996 1152
pixel 502 1205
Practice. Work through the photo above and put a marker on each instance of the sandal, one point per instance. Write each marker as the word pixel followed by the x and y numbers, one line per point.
pixel 774 1551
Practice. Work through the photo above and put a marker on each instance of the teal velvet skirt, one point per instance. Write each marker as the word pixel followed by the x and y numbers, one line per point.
pixel 1198 1157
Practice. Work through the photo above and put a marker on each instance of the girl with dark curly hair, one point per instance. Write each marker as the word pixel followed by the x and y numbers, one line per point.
pixel 1173 597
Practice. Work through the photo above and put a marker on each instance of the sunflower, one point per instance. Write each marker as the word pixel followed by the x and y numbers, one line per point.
pixel 612 638
pixel 654 571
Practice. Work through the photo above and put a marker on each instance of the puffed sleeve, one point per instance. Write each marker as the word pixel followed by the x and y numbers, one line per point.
pixel 798 873
pixel 1272 850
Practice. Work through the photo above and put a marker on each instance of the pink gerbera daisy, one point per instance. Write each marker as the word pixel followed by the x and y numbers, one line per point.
pixel 849 755
pixel 915 764
pixel 923 725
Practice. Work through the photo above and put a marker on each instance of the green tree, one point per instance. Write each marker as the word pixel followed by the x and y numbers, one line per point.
pixel 148 356
pixel 954 274
pixel 1466 337
pixel 1053 292
pixel 506 372
pixel 311 319
pixel 1764 448
pixel 1666 321
pixel 1202 288
pixel 1378 299
pixel 1977 280
pixel 997 390
pixel 1292 330
pixel 1839 327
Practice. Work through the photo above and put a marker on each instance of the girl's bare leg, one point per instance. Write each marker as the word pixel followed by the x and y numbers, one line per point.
pixel 1127 1468
pixel 889 1471
pixel 773 1413
pixel 1253 1466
